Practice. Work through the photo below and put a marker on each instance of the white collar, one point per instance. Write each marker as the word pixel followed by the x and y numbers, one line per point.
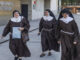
pixel 17 19
pixel 47 18
pixel 66 20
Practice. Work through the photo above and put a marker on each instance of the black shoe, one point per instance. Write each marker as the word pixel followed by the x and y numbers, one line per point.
pixel 16 58
pixel 20 59
pixel 42 55
pixel 49 54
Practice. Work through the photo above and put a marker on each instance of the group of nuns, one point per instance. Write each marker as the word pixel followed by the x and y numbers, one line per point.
pixel 63 31
pixel 54 33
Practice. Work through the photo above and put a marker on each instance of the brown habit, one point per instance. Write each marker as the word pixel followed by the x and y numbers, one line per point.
pixel 17 46
pixel 48 32
pixel 68 39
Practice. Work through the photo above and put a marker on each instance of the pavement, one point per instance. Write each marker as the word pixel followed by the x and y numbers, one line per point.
pixel 34 45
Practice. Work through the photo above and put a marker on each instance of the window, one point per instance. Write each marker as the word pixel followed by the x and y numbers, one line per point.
pixel 70 2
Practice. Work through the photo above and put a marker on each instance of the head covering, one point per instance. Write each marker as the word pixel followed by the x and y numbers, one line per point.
pixel 50 15
pixel 50 12
pixel 16 11
pixel 65 11
pixel 14 19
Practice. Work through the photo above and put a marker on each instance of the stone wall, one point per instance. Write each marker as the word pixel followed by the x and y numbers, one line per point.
pixel 6 9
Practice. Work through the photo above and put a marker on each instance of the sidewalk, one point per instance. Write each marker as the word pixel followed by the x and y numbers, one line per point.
pixel 33 25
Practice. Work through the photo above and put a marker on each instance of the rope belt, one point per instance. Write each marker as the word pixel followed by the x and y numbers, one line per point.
pixel 70 33
pixel 47 29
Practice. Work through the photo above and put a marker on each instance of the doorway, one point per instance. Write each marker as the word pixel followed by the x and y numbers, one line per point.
pixel 24 10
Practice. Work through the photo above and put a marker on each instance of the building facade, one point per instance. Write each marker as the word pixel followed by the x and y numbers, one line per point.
pixel 31 9
pixel 72 5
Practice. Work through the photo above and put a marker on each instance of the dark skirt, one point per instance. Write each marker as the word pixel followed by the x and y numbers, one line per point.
pixel 77 52
pixel 17 47
pixel 48 41
pixel 67 47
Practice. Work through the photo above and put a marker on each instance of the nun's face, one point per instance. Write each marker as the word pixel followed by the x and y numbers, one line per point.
pixel 64 15
pixel 46 13
pixel 16 14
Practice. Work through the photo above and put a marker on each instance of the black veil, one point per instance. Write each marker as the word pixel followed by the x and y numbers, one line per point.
pixel 16 11
pixel 50 12
pixel 65 11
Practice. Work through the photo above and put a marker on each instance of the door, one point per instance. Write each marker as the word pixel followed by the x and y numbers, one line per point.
pixel 24 10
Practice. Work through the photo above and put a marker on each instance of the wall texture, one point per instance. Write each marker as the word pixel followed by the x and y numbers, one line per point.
pixel 6 8
pixel 38 9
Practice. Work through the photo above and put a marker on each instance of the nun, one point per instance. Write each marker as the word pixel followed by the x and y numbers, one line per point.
pixel 68 31
pixel 47 29
pixel 18 28
pixel 77 47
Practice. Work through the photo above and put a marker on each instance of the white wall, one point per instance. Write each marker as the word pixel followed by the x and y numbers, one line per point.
pixel 38 12
pixel 54 6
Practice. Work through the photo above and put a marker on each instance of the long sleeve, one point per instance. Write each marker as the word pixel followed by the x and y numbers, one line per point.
pixel 41 25
pixel 6 29
pixel 25 24
pixel 75 29
pixel 59 27
pixel 55 27
pixel 54 24
pixel 58 30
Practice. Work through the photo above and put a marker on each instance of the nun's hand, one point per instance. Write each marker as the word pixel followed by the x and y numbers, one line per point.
pixel 38 33
pixel 75 43
pixel 21 28
pixel 59 42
